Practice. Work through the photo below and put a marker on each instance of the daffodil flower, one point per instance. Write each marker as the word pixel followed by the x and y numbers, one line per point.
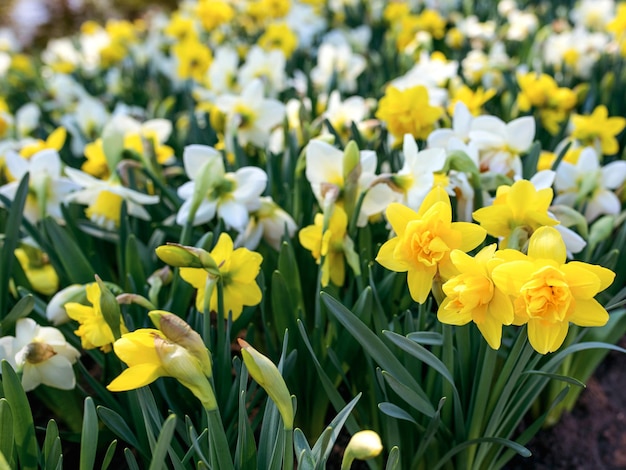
pixel 47 188
pixel 149 355
pixel 424 240
pixel 211 190
pixel 269 222
pixel 588 184
pixel 104 199
pixel 516 208
pixel 250 117
pixel 42 354
pixel 598 130
pixel 39 272
pixel 472 296
pixel 238 270
pixel 332 244
pixel 550 293
pixel 93 330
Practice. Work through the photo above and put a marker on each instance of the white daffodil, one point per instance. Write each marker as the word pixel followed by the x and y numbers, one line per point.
pixel 42 354
pixel 250 116
pixel 104 199
pixel 47 188
pixel 461 124
pixel 417 176
pixel 341 114
pixel 589 185
pixel 325 172
pixel 266 65
pixel 27 119
pixel 211 190
pixel 269 222
pixel 337 60
pixel 223 70
pixel 501 144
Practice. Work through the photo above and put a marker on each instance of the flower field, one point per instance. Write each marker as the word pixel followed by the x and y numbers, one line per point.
pixel 277 234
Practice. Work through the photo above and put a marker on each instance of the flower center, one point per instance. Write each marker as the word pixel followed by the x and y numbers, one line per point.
pixel 467 292
pixel 105 210
pixel 244 116
pixel 422 244
pixel 546 296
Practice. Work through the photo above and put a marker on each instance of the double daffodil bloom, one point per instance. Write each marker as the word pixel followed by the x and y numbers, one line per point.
pixel 472 296
pixel 94 331
pixel 238 270
pixel 424 241
pixel 550 293
pixel 598 130
pixel 150 354
pixel 520 207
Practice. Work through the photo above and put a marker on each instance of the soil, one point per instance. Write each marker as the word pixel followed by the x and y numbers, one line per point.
pixel 593 435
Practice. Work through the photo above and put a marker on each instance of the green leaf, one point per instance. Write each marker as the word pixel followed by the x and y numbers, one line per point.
pixel 409 395
pixel 89 436
pixel 245 452
pixel 531 160
pixel 108 456
pixel 130 459
pixel 395 411
pixel 6 429
pixel 118 425
pixel 520 449
pixel 561 378
pixel 134 263
pixel 393 461
pixel 23 427
pixel 322 449
pixel 220 452
pixel 163 443
pixel 303 450
pixel 21 309
pixel 11 239
pixel 4 465
pixel 431 338
pixel 74 262
pixel 52 446
pixel 374 346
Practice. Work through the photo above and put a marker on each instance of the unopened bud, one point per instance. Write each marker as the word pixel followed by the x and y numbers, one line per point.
pixel 601 230
pixel 363 445
pixel 267 376
pixel 55 310
pixel 177 256
pixel 110 308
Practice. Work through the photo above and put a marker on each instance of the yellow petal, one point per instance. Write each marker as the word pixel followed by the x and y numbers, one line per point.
pixel 583 283
pixel 472 235
pixel 589 313
pixel 605 275
pixel 138 347
pixel 494 219
pixel 311 239
pixel 244 265
pixel 194 276
pixel 511 276
pixel 420 282
pixel 501 308
pixel 387 259
pixel 437 194
pixel 491 329
pixel 78 312
pixel 399 216
pixel 337 268
pixel 135 377
pixel 57 138
pixel 452 316
pixel 546 337
pixel 223 248
pixel 547 243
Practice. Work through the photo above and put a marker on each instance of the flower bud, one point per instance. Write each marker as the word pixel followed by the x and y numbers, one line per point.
pixel 601 230
pixel 177 256
pixel 363 445
pixel 179 363
pixel 110 308
pixel 267 376
pixel 178 331
pixel 55 310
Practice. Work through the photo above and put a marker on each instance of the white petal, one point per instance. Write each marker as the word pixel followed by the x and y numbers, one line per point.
pixel 603 202
pixel 47 160
pixel 587 161
pixel 410 149
pixel 566 176
pixel 30 377
pixel 614 174
pixel 462 120
pixel 16 164
pixel 439 138
pixel 251 182
pixel 205 212
pixel 82 178
pixel 430 160
pixel 490 124
pixel 520 133
pixel 543 179
pixel 185 191
pixel 573 242
pixel 57 372
pixel 194 156
pixel 161 127
pixel 25 330
pixel 324 163
pixel 234 214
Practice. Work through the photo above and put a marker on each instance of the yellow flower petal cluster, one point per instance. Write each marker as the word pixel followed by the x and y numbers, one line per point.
pixel 238 270
pixel 472 296
pixel 328 244
pixel 540 91
pixel 94 331
pixel 550 293
pixel 408 112
pixel 598 128
pixel 474 100
pixel 214 13
pixel 194 59
pixel 517 211
pixel 279 36
pixel 424 241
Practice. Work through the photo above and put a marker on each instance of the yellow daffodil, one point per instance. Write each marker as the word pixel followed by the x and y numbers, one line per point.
pixel 472 296
pixel 408 112
pixel 194 59
pixel 238 270
pixel 474 100
pixel 279 36
pixel 94 331
pixel 550 293
pixel 516 209
pixel 213 13
pixel 329 244
pixel 598 130
pixel 39 272
pixel 55 141
pixel 424 241
pixel 149 355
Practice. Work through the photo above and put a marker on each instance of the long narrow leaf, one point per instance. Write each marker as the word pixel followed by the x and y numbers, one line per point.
pixel 89 436
pixel 163 443
pixel 108 456
pixel 6 429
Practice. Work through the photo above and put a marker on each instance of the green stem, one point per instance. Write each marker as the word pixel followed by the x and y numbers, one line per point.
pixel 288 449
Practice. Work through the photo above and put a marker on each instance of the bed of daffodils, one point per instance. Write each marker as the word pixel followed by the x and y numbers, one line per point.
pixel 297 233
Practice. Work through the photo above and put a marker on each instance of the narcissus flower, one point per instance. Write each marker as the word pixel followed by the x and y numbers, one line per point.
pixel 424 241
pixel 516 208
pixel 598 130
pixel 41 353
pixel 238 270
pixel 550 293
pixel 331 243
pixel 94 331
pixel 472 296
